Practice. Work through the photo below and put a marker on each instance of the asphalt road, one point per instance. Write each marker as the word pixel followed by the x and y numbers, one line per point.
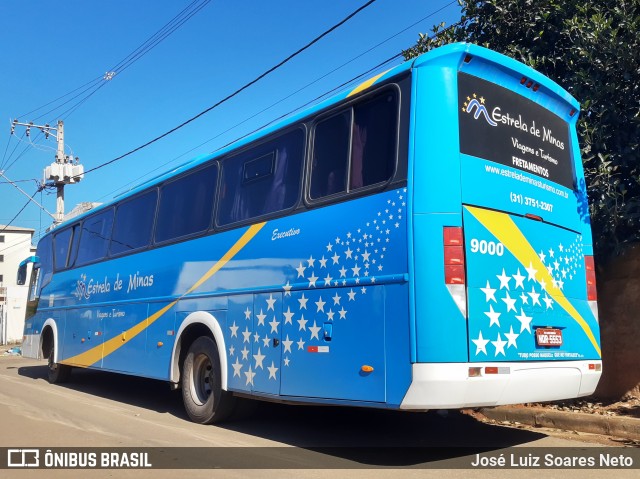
pixel 98 409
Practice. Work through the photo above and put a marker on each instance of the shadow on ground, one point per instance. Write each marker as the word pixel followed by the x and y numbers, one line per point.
pixel 332 435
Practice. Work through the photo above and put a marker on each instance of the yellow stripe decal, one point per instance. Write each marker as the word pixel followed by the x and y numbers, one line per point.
pixel 503 228
pixel 363 86
pixel 95 354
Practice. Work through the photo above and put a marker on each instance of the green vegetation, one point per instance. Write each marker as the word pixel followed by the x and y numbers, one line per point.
pixel 592 49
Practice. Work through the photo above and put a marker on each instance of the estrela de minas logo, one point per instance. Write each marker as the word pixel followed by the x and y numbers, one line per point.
pixel 476 106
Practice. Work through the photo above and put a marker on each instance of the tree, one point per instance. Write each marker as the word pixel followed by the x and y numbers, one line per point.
pixel 592 49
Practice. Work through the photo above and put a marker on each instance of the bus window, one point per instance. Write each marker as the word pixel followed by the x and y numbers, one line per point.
pixel 186 205
pixel 133 223
pixel 262 180
pixel 373 144
pixel 75 241
pixel 45 270
pixel 361 140
pixel 330 156
pixel 94 239
pixel 61 242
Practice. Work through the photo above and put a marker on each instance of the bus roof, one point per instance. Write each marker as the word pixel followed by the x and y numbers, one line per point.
pixel 426 58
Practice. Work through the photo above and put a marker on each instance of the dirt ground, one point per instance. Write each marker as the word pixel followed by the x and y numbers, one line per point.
pixel 628 406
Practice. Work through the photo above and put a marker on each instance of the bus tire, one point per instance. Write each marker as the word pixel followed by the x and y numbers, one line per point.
pixel 57 373
pixel 202 394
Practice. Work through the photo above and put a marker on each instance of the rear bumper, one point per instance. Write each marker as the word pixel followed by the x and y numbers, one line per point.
pixel 448 385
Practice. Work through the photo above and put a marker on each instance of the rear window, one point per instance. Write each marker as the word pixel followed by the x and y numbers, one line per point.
pixel 499 125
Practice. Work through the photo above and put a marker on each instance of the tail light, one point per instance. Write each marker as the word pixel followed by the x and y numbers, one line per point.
pixel 454 275
pixel 453 256
pixel 592 293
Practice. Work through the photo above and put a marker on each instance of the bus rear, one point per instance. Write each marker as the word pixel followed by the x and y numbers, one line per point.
pixel 503 282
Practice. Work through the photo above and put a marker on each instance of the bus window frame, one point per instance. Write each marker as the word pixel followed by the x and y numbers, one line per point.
pixel 150 243
pixel 209 228
pixel 339 109
pixel 256 144
pixel 89 218
pixel 54 242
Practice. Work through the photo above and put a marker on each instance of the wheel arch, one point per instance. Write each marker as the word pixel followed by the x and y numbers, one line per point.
pixel 196 324
pixel 49 337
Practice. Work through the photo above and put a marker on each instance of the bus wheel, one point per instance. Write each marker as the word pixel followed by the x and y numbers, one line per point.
pixel 57 373
pixel 202 394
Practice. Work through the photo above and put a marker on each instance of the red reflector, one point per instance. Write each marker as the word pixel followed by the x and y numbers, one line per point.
pixel 592 293
pixel 533 217
pixel 523 80
pixel 452 236
pixel 536 87
pixel 491 370
pixel 453 274
pixel 453 255
pixel 529 83
pixel 589 263
pixel 592 366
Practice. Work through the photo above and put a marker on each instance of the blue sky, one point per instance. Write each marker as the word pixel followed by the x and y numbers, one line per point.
pixel 51 49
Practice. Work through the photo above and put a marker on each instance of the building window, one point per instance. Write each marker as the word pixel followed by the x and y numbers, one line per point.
pixel 1 238
pixel 1 258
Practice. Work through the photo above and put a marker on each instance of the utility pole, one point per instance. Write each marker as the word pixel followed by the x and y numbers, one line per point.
pixel 63 171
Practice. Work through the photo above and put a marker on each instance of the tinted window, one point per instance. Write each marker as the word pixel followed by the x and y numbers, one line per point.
pixel 45 257
pixel 61 242
pixel 186 205
pixel 361 140
pixel 373 144
pixel 94 238
pixel 75 241
pixel 133 223
pixel 330 156
pixel 262 180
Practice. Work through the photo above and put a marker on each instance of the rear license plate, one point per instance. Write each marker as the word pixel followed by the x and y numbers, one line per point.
pixel 548 337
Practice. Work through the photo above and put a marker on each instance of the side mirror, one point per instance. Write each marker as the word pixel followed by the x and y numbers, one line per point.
pixel 22 269
pixel 22 275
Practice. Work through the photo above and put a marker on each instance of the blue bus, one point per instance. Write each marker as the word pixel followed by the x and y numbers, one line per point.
pixel 421 241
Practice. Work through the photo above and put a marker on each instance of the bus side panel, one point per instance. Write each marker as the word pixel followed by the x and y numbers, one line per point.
pixel 239 339
pixel 327 358
pixel 265 345
pixel 118 320
pixel 440 327
pixel 83 331
pixel 161 335
pixel 397 342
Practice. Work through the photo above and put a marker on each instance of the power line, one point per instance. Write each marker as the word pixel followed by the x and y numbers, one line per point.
pixel 388 60
pixel 87 90
pixel 238 91
pixel 168 29
pixel 18 213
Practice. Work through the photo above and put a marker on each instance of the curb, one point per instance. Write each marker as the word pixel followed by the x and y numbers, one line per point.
pixel 627 427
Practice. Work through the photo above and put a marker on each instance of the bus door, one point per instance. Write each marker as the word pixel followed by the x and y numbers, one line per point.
pixel 527 242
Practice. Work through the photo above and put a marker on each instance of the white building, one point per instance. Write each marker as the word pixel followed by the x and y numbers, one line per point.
pixel 15 246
